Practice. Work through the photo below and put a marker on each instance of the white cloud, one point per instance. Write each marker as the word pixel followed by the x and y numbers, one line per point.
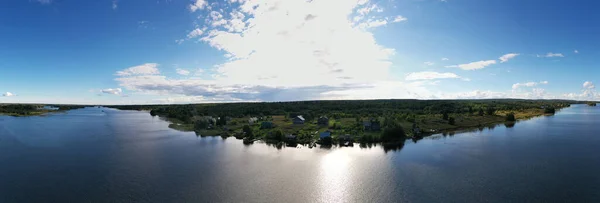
pixel 399 19
pixel 8 94
pixel 195 33
pixel 182 71
pixel 587 93
pixel 144 69
pixel 507 57
pixel 445 59
pixel 115 4
pixel 367 9
pixel 528 84
pixel 115 91
pixel 373 23
pixel 428 63
pixel 550 55
pixel 576 51
pixel 298 43
pixel 427 75
pixel 473 65
pixel 198 5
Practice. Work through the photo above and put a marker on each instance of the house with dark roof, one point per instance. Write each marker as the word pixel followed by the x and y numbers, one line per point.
pixel 325 134
pixel 298 120
pixel 372 125
pixel 266 125
pixel 323 120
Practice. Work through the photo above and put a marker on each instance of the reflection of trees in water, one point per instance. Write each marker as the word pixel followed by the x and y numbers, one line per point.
pixel 510 124
pixel 277 145
pixel 367 145
pixel 416 139
pixel 394 146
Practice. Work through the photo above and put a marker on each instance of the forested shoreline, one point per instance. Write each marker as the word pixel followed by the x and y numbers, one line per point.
pixel 331 122
pixel 347 120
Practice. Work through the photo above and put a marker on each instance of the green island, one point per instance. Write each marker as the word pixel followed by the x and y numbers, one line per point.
pixel 346 122
pixel 34 109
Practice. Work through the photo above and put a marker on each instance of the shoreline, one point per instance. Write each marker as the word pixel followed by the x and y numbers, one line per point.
pixel 173 123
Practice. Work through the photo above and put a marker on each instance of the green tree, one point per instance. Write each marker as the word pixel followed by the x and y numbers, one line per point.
pixel 451 120
pixel 490 111
pixel 445 116
pixel 480 113
pixel 248 131
pixel 510 117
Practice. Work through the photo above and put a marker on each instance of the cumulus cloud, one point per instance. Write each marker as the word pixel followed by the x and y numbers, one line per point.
pixel 588 85
pixel 144 69
pixel 115 91
pixel 8 94
pixel 198 5
pixel 528 84
pixel 182 71
pixel 474 65
pixel 507 57
pixel 550 55
pixel 427 75
pixel 297 43
pixel 195 33
pixel 588 92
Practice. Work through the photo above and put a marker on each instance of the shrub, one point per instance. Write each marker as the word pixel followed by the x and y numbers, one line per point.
pixel 510 117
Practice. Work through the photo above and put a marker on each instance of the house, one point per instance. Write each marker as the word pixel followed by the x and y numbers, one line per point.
pixel 325 134
pixel 298 120
pixel 290 137
pixel 252 120
pixel 323 120
pixel 372 125
pixel 367 125
pixel 346 140
pixel 266 125
pixel 416 130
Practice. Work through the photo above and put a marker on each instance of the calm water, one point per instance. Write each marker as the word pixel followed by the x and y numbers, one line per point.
pixel 88 155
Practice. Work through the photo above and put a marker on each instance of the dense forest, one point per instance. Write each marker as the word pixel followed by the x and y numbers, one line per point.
pixel 312 109
pixel 33 109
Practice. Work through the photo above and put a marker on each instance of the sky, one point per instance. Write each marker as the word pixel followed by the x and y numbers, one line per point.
pixel 204 51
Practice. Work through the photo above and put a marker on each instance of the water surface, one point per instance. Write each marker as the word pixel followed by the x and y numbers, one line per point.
pixel 88 155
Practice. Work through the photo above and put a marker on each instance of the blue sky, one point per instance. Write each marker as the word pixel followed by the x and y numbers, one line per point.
pixel 130 51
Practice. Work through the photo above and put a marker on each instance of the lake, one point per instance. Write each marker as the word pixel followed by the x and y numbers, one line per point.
pixel 107 155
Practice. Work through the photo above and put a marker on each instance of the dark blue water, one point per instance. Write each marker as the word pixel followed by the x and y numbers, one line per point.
pixel 88 155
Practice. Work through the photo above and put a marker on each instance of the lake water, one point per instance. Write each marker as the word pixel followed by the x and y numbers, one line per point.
pixel 87 155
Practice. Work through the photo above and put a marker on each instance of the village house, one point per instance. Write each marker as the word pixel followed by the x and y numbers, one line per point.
pixel 323 120
pixel 266 125
pixel 325 134
pixel 252 120
pixel 372 125
pixel 298 120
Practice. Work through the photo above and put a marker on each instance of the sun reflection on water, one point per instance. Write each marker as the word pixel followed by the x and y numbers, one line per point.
pixel 335 176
